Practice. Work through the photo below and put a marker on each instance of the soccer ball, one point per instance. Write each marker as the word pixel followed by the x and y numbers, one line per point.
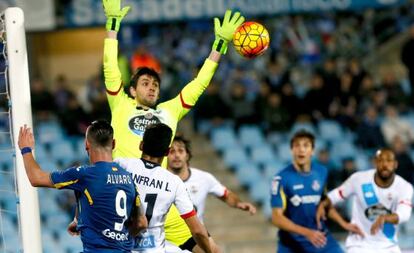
pixel 251 39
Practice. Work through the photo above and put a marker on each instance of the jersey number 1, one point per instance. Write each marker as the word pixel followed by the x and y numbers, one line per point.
pixel 150 198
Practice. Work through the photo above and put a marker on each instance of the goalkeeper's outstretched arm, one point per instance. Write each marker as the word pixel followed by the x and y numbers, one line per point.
pixel 224 32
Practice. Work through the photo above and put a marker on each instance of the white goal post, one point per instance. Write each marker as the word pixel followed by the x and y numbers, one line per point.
pixel 18 75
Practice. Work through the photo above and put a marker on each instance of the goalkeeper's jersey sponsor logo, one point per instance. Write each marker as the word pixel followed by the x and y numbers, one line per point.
pixel 139 123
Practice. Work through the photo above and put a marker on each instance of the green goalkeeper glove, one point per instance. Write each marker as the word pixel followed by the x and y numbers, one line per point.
pixel 114 14
pixel 224 32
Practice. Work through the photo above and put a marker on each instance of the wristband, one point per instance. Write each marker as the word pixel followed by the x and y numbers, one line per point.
pixel 220 45
pixel 26 150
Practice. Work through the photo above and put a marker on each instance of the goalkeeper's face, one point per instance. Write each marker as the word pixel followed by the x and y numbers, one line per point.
pixel 146 91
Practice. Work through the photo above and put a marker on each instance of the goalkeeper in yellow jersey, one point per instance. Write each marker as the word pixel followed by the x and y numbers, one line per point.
pixel 130 117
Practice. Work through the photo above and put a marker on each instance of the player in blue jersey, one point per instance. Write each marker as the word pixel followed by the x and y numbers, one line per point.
pixel 295 194
pixel 108 202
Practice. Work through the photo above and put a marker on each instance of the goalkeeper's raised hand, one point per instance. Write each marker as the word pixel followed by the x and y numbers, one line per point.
pixel 224 31
pixel 114 14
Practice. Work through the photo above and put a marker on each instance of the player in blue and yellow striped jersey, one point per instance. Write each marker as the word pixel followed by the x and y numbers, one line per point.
pixel 108 202
pixel 295 195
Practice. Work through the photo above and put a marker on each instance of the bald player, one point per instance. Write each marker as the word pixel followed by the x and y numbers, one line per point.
pixel 382 201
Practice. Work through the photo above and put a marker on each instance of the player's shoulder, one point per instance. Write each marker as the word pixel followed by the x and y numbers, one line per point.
pixel 128 162
pixel 285 173
pixel 318 167
pixel 199 173
pixel 168 175
pixel 402 184
pixel 363 174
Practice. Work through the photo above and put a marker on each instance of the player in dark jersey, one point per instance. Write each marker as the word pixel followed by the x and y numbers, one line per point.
pixel 295 194
pixel 108 202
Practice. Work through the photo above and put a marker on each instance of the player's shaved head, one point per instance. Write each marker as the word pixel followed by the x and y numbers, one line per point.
pixel 385 151
pixel 100 135
pixel 156 140
pixel 386 163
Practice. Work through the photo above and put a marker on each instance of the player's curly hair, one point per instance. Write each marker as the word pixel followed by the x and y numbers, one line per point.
pixel 303 134
pixel 156 140
pixel 187 144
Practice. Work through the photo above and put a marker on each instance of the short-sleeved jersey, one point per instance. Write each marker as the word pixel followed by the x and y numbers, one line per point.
pixel 106 194
pixel 370 201
pixel 199 185
pixel 159 189
pixel 299 195
pixel 128 120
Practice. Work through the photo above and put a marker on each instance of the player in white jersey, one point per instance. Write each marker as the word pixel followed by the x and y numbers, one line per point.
pixel 159 189
pixel 200 183
pixel 382 200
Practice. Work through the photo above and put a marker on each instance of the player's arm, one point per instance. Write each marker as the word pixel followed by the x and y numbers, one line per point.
pixel 112 75
pixel 401 214
pixel 72 227
pixel 199 232
pixel 232 200
pixel 186 209
pixel 223 35
pixel 279 219
pixel 137 220
pixel 333 214
pixel 37 177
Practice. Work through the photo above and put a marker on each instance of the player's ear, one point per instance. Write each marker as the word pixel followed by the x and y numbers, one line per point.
pixel 113 143
pixel 87 144
pixel 141 146
pixel 132 91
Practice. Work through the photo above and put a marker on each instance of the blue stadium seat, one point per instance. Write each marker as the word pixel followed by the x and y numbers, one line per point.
pixel 330 130
pixel 235 156
pixel 6 158
pixel 48 165
pixel 263 154
pixel 248 175
pixel 50 244
pixel 40 152
pixel 49 132
pixel 11 242
pixel 82 155
pixel 49 207
pixel 302 126
pixel 7 182
pixel 8 225
pixel 251 136
pixel 59 219
pixel 341 149
pixel 283 152
pixel 260 191
pixel 9 201
pixel 62 152
pixel 270 169
pixel 362 162
pixel 267 209
pixel 70 243
pixel 223 138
